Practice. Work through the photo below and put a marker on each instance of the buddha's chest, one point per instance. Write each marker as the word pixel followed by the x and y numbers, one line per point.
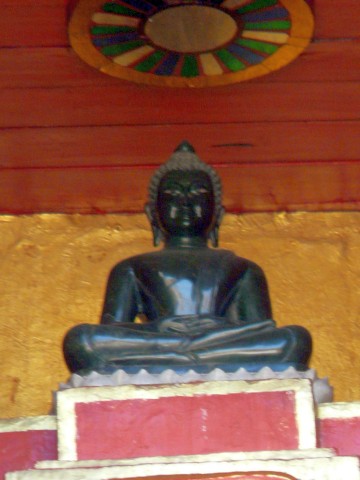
pixel 184 285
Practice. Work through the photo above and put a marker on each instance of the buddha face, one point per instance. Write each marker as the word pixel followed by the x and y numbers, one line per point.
pixel 185 203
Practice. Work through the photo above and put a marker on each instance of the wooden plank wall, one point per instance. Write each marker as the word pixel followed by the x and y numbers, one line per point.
pixel 75 140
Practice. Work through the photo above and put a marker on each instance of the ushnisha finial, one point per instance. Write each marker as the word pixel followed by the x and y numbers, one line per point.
pixel 185 146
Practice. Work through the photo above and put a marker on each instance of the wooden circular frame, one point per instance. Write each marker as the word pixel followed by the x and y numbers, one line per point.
pixel 302 26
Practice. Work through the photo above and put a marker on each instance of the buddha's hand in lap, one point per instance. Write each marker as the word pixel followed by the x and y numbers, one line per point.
pixel 190 325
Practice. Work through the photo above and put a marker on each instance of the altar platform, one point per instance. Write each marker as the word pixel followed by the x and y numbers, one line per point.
pixel 242 430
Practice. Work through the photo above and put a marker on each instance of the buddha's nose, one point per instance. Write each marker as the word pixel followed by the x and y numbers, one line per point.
pixel 186 200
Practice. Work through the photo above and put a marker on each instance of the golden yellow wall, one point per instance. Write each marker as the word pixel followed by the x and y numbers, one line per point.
pixel 53 271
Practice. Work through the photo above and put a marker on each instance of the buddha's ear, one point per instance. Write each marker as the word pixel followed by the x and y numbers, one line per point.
pixel 214 234
pixel 157 234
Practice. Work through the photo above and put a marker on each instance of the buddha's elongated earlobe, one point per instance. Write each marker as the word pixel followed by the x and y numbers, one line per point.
pixel 156 231
pixel 214 237
pixel 214 234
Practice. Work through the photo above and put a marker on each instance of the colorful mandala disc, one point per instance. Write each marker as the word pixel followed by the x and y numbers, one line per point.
pixel 190 43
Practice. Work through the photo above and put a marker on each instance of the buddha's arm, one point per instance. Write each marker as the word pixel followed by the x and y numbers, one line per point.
pixel 121 298
pixel 250 301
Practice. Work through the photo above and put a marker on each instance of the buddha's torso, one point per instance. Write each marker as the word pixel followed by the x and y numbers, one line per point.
pixel 179 282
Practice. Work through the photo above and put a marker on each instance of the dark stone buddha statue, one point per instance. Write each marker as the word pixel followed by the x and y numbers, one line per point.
pixel 204 307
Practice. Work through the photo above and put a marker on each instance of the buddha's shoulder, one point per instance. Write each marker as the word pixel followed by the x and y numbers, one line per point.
pixel 219 257
pixel 240 264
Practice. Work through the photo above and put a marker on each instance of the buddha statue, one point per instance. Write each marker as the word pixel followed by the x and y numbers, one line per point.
pixel 202 307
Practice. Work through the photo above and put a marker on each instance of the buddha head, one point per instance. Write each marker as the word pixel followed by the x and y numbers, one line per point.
pixel 185 198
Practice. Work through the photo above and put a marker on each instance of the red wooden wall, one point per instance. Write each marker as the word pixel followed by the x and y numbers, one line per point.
pixel 75 140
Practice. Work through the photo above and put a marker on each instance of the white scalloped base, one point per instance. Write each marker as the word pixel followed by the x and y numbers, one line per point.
pixel 323 392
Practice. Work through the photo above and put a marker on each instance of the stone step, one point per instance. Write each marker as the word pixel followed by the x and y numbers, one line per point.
pixel 324 468
pixel 179 459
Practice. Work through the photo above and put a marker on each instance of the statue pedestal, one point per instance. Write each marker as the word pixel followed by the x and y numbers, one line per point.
pixel 246 430
pixel 187 419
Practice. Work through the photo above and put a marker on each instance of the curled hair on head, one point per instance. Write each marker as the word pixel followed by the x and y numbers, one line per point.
pixel 184 158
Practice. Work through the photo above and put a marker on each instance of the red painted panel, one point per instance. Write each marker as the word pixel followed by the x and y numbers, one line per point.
pixel 33 23
pixel 21 450
pixel 337 19
pixel 135 146
pixel 248 188
pixel 186 425
pixel 130 104
pixel 343 434
pixel 59 66
pixel 321 61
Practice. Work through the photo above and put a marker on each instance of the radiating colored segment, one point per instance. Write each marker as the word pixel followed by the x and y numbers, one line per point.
pixel 231 62
pixel 112 7
pixel 274 25
pixel 115 39
pixel 210 65
pixel 232 4
pixel 122 48
pixel 112 19
pixel 133 56
pixel 150 62
pixel 249 56
pixel 263 47
pixel 109 30
pixel 256 5
pixel 168 65
pixel 263 15
pixel 273 37
pixel 140 5
pixel 190 66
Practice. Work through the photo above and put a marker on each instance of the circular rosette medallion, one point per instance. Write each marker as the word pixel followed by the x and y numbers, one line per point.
pixel 190 43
